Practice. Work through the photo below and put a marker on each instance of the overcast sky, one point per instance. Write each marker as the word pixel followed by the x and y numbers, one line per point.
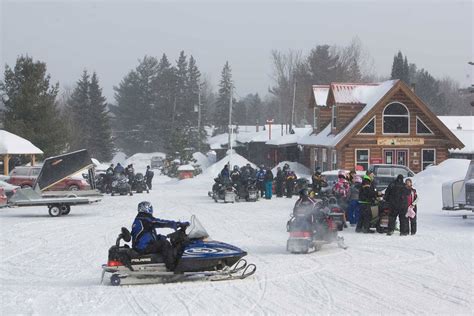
pixel 110 36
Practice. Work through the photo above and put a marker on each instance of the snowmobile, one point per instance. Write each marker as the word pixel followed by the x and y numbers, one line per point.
pixel 336 212
pixel 139 184
pixel 250 191
pixel 381 218
pixel 311 227
pixel 198 256
pixel 121 186
pixel 224 191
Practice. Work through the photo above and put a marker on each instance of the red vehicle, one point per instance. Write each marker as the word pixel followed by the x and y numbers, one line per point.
pixel 26 176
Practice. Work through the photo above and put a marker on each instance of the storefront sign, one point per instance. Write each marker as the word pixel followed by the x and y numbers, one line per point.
pixel 374 161
pixel 399 141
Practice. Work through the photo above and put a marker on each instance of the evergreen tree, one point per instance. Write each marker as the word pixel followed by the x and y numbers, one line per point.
pixel 100 139
pixel 30 105
pixel 78 105
pixel 400 68
pixel 322 65
pixel 427 88
pixel 182 108
pixel 221 118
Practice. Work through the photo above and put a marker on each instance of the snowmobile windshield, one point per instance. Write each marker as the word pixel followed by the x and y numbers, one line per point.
pixel 195 230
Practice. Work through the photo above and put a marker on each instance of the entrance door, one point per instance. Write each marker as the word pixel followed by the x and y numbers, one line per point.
pixel 396 156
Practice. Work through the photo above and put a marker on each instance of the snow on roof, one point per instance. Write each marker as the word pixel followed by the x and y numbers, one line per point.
pixel 186 168
pixel 288 139
pixel 369 95
pixel 300 170
pixel 467 138
pixel 453 122
pixel 321 94
pixel 14 144
pixel 349 93
pixel 235 159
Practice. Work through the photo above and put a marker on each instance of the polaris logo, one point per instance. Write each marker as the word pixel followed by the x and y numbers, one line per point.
pixel 142 260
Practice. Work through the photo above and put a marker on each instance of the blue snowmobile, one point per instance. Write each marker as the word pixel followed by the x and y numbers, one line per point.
pixel 198 258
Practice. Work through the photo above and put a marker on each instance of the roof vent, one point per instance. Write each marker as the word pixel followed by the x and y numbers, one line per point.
pixel 459 126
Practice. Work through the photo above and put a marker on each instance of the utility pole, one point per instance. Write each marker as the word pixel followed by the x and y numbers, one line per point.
pixel 230 126
pixel 293 107
pixel 199 118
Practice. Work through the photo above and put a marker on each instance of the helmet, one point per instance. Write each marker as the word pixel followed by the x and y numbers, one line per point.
pixel 366 177
pixel 236 167
pixel 145 207
pixel 303 193
pixel 341 173
pixel 357 178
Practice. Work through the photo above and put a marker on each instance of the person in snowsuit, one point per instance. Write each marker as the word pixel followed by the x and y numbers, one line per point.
pixel 225 174
pixel 367 197
pixel 290 182
pixel 109 177
pixel 236 179
pixel 412 208
pixel 118 169
pixel 145 240
pixel 396 195
pixel 130 173
pixel 268 183
pixel 149 177
pixel 261 180
pixel 341 191
pixel 280 179
pixel 354 210
pixel 318 182
pixel 304 201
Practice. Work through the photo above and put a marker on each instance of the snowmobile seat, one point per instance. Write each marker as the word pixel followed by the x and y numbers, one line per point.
pixel 138 258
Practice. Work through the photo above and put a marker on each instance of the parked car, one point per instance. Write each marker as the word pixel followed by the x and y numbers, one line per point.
pixel 385 174
pixel 8 188
pixel 26 176
pixel 157 162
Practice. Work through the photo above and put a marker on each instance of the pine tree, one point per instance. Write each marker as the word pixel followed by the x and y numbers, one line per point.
pixel 221 118
pixel 30 105
pixel 400 68
pixel 182 110
pixel 100 139
pixel 78 106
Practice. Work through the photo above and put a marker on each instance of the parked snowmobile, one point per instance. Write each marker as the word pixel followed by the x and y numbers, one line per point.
pixel 224 191
pixel 198 258
pixel 380 221
pixel 139 184
pixel 310 228
pixel 250 191
pixel 336 212
pixel 121 186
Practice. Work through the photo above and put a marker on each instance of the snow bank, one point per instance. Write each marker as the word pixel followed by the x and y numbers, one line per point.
pixel 141 160
pixel 300 170
pixel 428 182
pixel 119 157
pixel 235 159
pixel 202 160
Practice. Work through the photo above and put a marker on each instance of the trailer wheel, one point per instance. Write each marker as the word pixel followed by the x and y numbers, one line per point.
pixel 65 209
pixel 115 280
pixel 54 211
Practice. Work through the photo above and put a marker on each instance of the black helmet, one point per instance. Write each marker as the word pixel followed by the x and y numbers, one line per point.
pixel 303 193
pixel 145 207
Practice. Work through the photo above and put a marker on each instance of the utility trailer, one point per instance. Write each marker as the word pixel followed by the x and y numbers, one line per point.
pixel 54 170
pixel 459 194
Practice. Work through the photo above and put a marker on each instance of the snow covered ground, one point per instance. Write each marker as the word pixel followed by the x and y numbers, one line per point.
pixel 51 266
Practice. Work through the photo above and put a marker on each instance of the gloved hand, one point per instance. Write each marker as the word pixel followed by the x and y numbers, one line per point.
pixel 183 225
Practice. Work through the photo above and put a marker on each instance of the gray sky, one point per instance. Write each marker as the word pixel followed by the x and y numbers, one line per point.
pixel 110 36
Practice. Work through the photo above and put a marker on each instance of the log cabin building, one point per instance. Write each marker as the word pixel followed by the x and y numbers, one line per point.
pixel 357 125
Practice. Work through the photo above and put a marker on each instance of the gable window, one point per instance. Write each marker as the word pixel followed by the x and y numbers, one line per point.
pixel 369 128
pixel 334 119
pixel 421 127
pixel 396 119
pixel 334 160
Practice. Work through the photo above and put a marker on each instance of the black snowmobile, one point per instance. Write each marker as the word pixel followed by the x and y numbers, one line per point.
pixel 198 256
pixel 223 190
pixel 121 186
pixel 139 183
pixel 336 212
pixel 310 227
pixel 251 191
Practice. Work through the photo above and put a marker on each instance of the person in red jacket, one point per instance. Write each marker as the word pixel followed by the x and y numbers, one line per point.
pixel 412 209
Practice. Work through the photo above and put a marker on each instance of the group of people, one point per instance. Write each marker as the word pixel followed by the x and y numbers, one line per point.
pixel 129 172
pixel 357 194
pixel 263 176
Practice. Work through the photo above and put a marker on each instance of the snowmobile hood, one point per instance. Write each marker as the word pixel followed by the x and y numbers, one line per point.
pixel 211 249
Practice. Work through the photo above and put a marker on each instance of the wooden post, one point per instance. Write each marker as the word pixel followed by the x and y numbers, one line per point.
pixel 6 159
pixel 33 160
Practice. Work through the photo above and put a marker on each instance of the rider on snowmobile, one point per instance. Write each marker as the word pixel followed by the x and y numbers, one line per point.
pixel 304 203
pixel 145 240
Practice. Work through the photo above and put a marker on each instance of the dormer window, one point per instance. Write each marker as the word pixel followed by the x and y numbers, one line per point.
pixel 422 128
pixel 369 128
pixel 396 119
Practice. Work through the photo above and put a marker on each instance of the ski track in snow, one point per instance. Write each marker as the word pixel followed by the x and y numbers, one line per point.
pixel 52 266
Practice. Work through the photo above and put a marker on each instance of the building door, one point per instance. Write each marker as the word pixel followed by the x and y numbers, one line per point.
pixel 396 156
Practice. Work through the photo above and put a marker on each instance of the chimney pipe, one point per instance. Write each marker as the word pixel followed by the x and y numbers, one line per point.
pixel 412 87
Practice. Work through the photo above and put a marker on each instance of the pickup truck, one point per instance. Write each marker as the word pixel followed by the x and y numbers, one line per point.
pixel 385 173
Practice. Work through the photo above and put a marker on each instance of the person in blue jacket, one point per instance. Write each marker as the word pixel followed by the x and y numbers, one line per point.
pixel 145 240
pixel 261 179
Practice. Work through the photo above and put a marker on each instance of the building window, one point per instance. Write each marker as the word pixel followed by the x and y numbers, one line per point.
pixel 334 118
pixel 324 159
pixel 396 119
pixel 315 119
pixel 362 159
pixel 421 127
pixel 334 160
pixel 369 128
pixel 428 157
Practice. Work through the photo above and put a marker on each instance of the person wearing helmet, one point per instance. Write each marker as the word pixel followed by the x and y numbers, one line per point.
pixel 280 179
pixel 261 179
pixel 235 177
pixel 145 239
pixel 304 201
pixel 318 182
pixel 396 195
pixel 367 198
pixel 354 210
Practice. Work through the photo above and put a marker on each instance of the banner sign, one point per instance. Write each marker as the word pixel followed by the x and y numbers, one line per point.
pixel 399 141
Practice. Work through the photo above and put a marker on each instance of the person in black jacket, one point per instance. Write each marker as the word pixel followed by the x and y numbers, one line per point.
pixel 148 176
pixel 397 196
pixel 280 179
pixel 268 183
pixel 367 196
